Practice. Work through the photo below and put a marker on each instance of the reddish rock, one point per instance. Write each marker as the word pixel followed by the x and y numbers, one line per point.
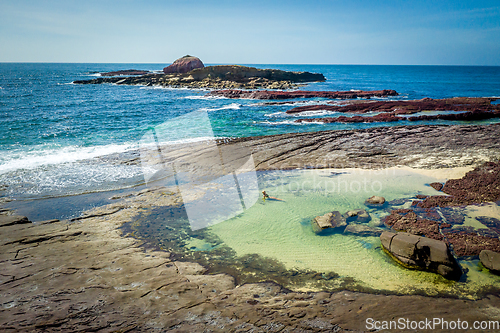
pixel 184 65
pixel 125 72
pixel 267 94
pixel 382 117
pixel 491 222
pixel 477 186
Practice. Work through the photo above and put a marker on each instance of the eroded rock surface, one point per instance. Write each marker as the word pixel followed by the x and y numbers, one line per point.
pixel 217 77
pixel 490 260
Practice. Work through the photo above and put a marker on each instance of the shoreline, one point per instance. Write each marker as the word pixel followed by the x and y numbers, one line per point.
pixel 88 275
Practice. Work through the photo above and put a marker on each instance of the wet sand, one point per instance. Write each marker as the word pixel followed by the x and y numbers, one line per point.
pixel 87 275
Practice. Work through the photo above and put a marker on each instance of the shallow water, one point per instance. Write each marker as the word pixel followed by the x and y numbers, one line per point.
pixel 276 236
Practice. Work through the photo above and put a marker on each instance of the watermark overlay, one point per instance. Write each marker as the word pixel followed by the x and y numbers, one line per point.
pixel 430 324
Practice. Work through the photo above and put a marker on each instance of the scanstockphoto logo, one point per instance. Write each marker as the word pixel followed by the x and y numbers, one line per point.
pixel 216 181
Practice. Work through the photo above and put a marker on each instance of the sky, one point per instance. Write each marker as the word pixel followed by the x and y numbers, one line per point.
pixel 398 32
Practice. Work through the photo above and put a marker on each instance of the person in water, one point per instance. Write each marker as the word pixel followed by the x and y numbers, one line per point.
pixel 266 196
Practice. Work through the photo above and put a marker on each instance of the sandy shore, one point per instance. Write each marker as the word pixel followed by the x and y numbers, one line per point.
pixel 86 275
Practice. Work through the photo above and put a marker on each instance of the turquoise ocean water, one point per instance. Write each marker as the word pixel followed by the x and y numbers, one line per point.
pixel 52 132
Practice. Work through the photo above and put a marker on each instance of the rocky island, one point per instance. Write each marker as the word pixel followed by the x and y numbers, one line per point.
pixel 190 72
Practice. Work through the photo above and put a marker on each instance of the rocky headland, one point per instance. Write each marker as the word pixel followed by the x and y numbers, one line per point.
pixel 189 72
pixel 91 274
pixel 125 72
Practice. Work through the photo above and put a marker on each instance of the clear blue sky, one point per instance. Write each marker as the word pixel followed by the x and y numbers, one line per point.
pixel 428 32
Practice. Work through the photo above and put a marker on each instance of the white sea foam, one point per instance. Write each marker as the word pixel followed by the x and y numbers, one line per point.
pixel 69 179
pixel 303 114
pixel 21 159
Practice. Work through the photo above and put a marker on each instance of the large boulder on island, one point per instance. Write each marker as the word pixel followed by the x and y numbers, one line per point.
pixel 184 65
pixel 415 252
pixel 329 222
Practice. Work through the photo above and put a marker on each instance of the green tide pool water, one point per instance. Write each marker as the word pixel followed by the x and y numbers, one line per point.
pixel 274 240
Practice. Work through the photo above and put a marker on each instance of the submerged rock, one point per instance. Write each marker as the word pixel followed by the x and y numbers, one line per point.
pixel 490 260
pixel 421 253
pixel 328 222
pixel 362 230
pixel 184 65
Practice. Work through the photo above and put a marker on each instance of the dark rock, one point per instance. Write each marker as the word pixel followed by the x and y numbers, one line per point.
pixel 358 215
pixel 218 77
pixel 421 196
pixel 125 72
pixel 407 107
pixel 437 186
pixel 6 220
pixel 423 253
pixel 362 230
pixel 264 94
pixel 184 65
pixel 490 260
pixel 327 222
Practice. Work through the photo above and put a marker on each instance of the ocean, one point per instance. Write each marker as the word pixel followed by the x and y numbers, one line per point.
pixel 53 132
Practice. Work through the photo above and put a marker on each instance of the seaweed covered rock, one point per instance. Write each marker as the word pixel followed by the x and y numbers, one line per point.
pixel 421 253
pixel 184 65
